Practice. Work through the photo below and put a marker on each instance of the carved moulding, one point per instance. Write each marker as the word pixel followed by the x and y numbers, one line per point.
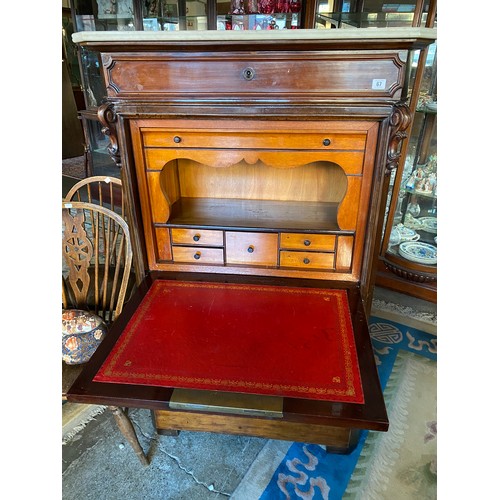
pixel 399 121
pixel 410 274
pixel 107 117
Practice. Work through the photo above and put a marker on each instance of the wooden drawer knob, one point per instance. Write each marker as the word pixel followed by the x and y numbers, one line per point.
pixel 326 142
pixel 177 139
pixel 197 256
pixel 250 249
pixel 196 237
pixel 306 261
pixel 307 242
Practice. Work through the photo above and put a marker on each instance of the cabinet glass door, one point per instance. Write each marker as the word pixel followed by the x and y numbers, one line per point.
pixel 93 83
pixel 413 225
pixel 104 15
pixel 99 161
pixel 369 14
pixel 174 15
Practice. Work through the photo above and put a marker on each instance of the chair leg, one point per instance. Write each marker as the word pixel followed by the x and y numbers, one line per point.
pixel 127 429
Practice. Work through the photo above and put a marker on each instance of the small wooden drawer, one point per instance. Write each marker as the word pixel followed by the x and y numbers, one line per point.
pixel 306 260
pixel 260 249
pixel 197 237
pixel 300 241
pixel 198 255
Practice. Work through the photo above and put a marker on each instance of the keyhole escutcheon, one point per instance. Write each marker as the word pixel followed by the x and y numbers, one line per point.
pixel 248 73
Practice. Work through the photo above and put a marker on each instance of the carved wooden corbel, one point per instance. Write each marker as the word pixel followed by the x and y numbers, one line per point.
pixel 399 122
pixel 107 116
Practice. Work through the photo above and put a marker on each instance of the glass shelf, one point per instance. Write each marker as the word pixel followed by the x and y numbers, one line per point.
pixel 367 19
pixel 175 23
pixel 258 21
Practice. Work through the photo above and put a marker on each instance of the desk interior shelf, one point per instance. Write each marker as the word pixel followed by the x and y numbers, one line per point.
pixel 254 214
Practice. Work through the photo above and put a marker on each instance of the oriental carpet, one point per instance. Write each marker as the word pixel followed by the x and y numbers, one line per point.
pixel 398 464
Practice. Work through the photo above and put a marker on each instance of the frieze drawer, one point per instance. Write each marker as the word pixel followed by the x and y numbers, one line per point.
pixel 290 74
pixel 238 139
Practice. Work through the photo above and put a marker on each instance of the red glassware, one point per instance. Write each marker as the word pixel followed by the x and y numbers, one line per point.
pixel 267 6
pixel 282 6
pixel 295 5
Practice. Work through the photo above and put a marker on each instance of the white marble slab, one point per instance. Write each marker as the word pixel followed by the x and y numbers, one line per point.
pixel 215 35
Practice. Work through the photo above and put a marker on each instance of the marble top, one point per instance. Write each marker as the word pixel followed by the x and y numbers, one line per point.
pixel 261 35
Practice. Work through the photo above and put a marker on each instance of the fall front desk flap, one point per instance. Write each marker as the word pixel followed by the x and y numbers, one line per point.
pixel 256 339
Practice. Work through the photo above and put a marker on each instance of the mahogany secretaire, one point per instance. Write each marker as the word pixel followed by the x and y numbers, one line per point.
pixel 255 167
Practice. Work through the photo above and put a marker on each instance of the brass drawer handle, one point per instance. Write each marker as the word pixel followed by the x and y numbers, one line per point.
pixel 197 255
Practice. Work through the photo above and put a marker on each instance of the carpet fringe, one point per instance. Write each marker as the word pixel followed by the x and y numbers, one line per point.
pixel 82 424
pixel 386 449
pixel 404 311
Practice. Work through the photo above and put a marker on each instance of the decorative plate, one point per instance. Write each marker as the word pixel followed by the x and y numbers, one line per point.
pixel 432 106
pixel 82 332
pixel 416 251
pixel 429 224
pixel 406 233
pixel 412 222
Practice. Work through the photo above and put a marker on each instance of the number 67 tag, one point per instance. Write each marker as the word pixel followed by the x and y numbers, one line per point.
pixel 378 84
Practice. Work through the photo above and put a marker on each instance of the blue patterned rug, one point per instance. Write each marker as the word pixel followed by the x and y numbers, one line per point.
pixel 308 472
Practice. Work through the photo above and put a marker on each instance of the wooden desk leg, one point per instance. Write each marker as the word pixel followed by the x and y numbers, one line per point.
pixel 346 449
pixel 127 429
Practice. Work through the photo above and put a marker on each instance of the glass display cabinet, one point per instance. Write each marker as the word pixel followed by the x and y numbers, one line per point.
pixel 97 158
pixel 70 50
pixel 259 14
pixel 173 15
pixel 408 260
pixel 370 13
pixel 408 255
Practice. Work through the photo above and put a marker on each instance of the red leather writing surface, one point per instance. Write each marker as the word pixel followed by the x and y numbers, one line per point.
pixel 270 340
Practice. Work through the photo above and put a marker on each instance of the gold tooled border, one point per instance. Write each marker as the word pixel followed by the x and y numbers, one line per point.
pixel 158 287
